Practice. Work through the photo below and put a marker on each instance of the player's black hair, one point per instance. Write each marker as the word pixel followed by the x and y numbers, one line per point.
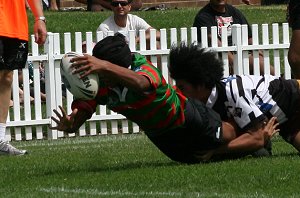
pixel 195 65
pixel 114 49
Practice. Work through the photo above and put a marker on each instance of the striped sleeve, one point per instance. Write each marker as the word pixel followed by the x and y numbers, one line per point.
pixel 152 74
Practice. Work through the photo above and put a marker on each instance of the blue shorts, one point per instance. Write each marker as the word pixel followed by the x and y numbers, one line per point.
pixel 13 53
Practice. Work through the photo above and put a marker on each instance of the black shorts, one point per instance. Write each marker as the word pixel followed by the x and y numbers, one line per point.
pixel 13 53
pixel 202 131
pixel 293 14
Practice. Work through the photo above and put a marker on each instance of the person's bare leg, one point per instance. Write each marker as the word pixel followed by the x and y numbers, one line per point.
pixel 296 142
pixel 294 54
pixel 53 5
pixel 6 77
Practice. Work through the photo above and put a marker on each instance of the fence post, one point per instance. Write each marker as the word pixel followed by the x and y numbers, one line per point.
pixel 255 42
pixel 224 42
pixel 265 40
pixel 173 36
pixel 164 58
pixel 275 35
pixel 153 46
pixel 237 41
pixel 89 42
pixel 245 53
pixel 286 40
pixel 194 36
pixel 204 41
pixel 49 81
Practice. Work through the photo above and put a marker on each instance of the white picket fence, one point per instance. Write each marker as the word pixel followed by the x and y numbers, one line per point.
pixel 29 121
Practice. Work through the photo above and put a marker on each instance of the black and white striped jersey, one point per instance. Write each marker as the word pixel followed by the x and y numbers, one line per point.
pixel 249 99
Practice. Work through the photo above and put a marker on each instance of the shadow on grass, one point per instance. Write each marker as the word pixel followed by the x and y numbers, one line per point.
pixel 133 166
pixel 90 167
pixel 287 154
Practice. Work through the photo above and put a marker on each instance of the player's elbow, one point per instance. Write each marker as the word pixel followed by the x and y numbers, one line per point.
pixel 142 85
pixel 258 141
pixel 294 59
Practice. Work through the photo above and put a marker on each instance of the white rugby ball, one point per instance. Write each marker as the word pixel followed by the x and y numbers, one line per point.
pixel 82 88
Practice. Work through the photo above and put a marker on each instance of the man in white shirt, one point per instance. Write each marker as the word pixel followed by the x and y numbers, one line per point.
pixel 121 21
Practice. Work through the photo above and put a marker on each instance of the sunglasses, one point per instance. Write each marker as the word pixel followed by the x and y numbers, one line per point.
pixel 117 3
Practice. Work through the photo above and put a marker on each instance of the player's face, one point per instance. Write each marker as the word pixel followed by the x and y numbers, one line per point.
pixel 190 90
pixel 218 2
pixel 120 7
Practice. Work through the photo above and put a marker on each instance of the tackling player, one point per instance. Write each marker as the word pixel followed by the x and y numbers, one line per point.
pixel 249 100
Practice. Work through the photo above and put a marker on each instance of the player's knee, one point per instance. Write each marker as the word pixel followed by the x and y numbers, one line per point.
pixel 294 60
pixel 296 141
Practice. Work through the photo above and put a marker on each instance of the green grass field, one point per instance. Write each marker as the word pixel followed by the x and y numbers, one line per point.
pixel 131 166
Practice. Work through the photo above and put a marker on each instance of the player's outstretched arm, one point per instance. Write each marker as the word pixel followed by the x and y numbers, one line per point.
pixel 110 72
pixel 247 142
pixel 69 123
pixel 251 140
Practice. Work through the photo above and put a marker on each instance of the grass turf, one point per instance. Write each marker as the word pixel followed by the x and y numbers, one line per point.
pixel 131 166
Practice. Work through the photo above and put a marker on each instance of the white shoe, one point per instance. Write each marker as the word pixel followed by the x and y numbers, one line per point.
pixel 7 149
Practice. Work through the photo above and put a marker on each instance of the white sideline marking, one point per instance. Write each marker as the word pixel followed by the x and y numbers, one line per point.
pixel 108 193
pixel 150 193
pixel 83 140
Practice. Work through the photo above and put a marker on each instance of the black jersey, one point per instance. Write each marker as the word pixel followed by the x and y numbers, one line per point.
pixel 207 17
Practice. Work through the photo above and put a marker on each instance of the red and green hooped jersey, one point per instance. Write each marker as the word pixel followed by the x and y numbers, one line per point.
pixel 156 111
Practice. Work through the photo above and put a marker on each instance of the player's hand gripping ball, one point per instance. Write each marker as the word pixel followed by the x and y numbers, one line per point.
pixel 82 88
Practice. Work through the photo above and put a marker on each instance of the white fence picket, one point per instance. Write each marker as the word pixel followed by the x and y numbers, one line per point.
pixel 276 54
pixel 245 54
pixel 286 40
pixel 265 41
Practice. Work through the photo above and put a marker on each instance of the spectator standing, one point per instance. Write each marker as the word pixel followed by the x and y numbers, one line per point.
pixel 294 50
pixel 14 52
pixel 220 14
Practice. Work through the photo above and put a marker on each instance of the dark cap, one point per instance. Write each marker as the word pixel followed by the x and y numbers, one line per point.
pixel 114 49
